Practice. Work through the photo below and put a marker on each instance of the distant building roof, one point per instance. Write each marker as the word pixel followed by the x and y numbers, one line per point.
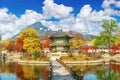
pixel 60 33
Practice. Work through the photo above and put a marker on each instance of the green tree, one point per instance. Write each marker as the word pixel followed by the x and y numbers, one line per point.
pixel 106 37
pixel 31 41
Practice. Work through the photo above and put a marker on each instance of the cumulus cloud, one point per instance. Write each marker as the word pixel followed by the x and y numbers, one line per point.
pixel 108 3
pixel 111 7
pixel 86 21
pixel 10 24
pixel 29 17
pixel 51 9
pixel 118 4
pixel 89 20
pixel 7 23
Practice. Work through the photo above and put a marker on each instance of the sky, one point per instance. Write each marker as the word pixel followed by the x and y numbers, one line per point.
pixel 83 16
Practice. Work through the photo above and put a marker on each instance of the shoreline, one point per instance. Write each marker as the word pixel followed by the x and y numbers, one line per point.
pixel 85 62
pixel 33 62
pixel 92 62
pixel 30 62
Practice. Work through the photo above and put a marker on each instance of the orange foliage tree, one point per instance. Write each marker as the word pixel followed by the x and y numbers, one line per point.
pixel 45 42
pixel 77 41
pixel 18 44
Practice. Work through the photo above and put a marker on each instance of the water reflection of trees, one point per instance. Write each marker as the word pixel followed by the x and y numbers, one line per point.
pixel 106 74
pixel 83 69
pixel 102 72
pixel 26 72
pixel 3 68
pixel 19 72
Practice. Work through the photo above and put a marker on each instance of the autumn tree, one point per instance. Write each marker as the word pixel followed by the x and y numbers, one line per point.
pixel 4 43
pixel 118 38
pixel 45 42
pixel 77 41
pixel 107 37
pixel 31 40
pixel 18 44
pixel 10 45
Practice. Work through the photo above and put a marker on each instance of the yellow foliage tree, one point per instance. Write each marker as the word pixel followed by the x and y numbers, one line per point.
pixel 31 44
pixel 118 39
pixel 29 33
pixel 31 40
pixel 4 43
pixel 77 40
pixel 91 42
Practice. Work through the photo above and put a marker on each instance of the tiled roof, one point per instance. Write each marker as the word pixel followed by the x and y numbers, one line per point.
pixel 60 33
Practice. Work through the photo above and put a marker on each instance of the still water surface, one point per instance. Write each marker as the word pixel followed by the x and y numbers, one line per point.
pixel 23 72
pixel 98 72
pixel 41 72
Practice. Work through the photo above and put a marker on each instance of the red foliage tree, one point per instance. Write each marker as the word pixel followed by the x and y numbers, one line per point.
pixel 45 42
pixel 114 48
pixel 18 44
pixel 86 48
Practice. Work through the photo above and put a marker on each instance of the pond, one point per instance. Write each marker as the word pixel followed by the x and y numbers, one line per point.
pixel 97 72
pixel 14 71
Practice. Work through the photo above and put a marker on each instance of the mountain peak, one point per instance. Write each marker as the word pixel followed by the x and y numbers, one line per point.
pixel 36 23
pixel 40 28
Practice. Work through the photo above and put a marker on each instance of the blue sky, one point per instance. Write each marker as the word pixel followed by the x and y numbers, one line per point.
pixel 84 16
pixel 18 7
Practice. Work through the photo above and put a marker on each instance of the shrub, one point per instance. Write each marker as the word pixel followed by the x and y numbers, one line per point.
pixel 36 54
pixel 80 51
pixel 103 52
pixel 70 54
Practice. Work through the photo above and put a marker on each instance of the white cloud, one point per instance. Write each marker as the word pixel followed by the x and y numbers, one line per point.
pixel 108 3
pixel 5 17
pixel 51 9
pixel 119 25
pixel 10 24
pixel 85 11
pixel 86 21
pixel 110 7
pixel 112 12
pixel 118 4
pixel 7 23
pixel 29 17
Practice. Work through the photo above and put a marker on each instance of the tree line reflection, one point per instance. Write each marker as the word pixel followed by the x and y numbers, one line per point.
pixel 101 72
pixel 26 72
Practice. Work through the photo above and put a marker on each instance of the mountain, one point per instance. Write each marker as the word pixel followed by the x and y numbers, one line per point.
pixel 43 30
pixel 89 37
pixel 40 28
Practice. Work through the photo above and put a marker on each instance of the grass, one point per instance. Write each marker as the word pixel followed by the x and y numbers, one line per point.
pixel 76 58
pixel 55 54
pixel 36 59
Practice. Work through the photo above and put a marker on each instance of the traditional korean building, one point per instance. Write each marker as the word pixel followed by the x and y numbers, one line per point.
pixel 60 41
